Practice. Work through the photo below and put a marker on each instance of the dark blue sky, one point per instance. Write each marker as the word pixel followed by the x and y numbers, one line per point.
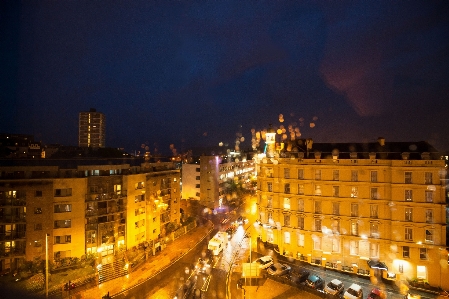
pixel 197 73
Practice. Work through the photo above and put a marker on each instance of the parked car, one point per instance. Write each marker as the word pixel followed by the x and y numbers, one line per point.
pixel 376 294
pixel 264 262
pixel 279 269
pixel 315 282
pixel 412 296
pixel 335 287
pixel 299 276
pixel 354 292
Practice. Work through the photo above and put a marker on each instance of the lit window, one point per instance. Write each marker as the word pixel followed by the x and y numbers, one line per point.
pixel 408 195
pixel 354 192
pixel 287 237
pixel 287 203
pixel 408 214
pixel 336 175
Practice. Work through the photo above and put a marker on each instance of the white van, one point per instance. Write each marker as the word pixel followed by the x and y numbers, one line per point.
pixel 354 292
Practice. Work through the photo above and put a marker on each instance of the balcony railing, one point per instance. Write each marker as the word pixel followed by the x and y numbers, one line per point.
pixel 9 236
pixel 13 202
pixel 12 219
pixel 106 196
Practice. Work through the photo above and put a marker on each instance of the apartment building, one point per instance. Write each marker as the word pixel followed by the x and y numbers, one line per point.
pixel 84 206
pixel 372 209
pixel 208 179
pixel 92 129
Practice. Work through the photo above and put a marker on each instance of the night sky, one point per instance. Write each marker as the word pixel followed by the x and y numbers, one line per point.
pixel 196 73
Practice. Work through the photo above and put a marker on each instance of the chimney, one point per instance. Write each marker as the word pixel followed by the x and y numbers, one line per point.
pixel 381 141
pixel 405 155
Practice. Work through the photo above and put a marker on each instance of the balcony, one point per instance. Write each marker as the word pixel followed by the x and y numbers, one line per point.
pixel 10 236
pixel 12 218
pixel 13 202
pixel 105 196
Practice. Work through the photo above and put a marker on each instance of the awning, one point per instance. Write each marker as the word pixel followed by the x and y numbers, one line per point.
pixel 377 265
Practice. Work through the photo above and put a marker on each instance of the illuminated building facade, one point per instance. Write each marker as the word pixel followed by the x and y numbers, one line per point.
pixel 92 128
pixel 208 180
pixel 105 206
pixel 374 209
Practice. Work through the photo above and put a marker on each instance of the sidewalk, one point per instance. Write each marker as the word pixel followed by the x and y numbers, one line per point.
pixel 154 264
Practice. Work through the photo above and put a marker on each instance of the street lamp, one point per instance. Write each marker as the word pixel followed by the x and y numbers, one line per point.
pixel 46 265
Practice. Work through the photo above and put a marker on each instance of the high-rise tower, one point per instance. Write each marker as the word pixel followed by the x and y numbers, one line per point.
pixel 92 127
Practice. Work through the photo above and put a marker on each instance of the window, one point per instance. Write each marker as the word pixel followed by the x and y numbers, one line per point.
pixel 270 186
pixel 270 202
pixel 287 203
pixel 353 247
pixel 317 243
pixel 336 208
pixel 428 178
pixel 37 210
pixel 408 195
pixel 300 222
pixel 38 226
pixel 91 237
pixel 63 239
pixel 354 192
pixel 336 175
pixel 300 205
pixel 374 194
pixel 408 214
pixel 354 210
pixel 300 189
pixel 301 240
pixel 317 224
pixel 374 176
pixel 37 243
pixel 139 185
pixel 429 235
pixel 197 186
pixel 63 223
pixel 423 253
pixel 317 190
pixel 429 216
pixel 154 219
pixel 354 175
pixel 63 208
pixel 374 230
pixel 405 252
pixel 374 209
pixel 335 191
pixel 197 178
pixel 139 198
pixel 409 234
pixel 197 169
pixel 335 245
pixel 317 174
pixel 300 174
pixel 336 226
pixel 374 250
pixel 287 188
pixel 269 172
pixel 318 207
pixel 270 216
pixel 354 228
pixel 63 192
pixel 38 193
pixel 117 189
pixel 287 173
pixel 286 220
pixel 429 196
pixel 408 177
pixel 287 237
